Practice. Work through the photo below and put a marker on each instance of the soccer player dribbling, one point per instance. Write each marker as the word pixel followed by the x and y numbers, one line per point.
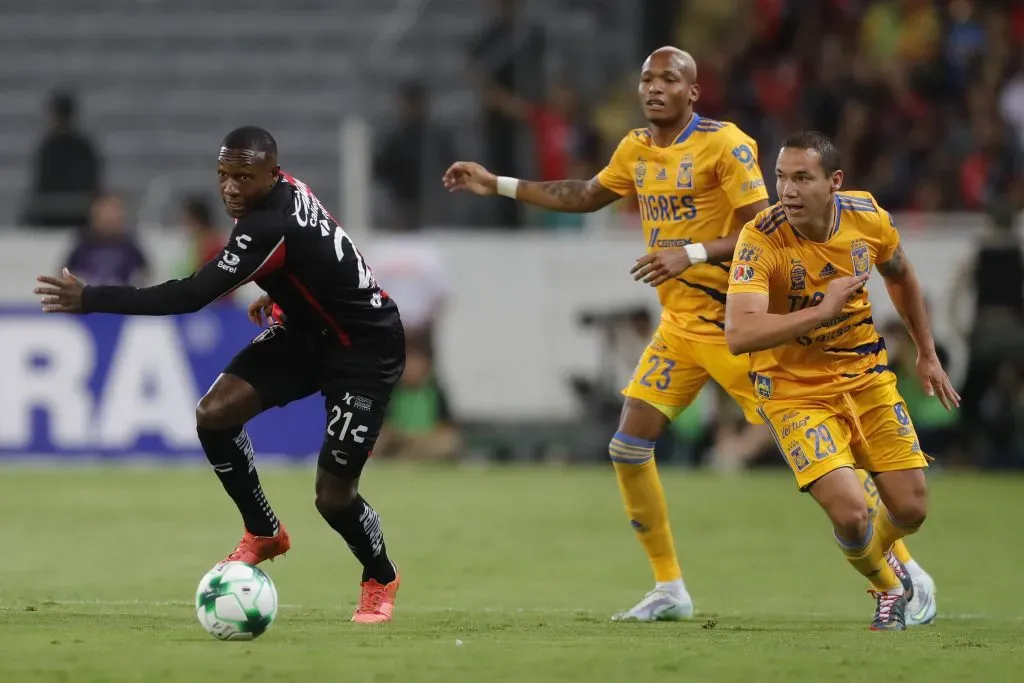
pixel 697 182
pixel 333 331
pixel 798 306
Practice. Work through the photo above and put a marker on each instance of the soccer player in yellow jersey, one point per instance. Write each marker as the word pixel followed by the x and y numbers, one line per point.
pixel 797 304
pixel 697 182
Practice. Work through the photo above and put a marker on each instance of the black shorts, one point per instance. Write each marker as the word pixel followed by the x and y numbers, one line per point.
pixel 285 365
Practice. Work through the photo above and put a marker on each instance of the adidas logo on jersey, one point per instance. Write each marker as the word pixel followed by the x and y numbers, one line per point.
pixel 662 175
pixel 828 271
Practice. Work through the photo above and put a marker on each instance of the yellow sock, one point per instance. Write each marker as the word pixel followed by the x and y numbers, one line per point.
pixel 890 531
pixel 644 499
pixel 868 557
pixel 899 548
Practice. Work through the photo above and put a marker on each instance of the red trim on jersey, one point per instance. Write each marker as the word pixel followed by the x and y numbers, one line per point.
pixel 274 260
pixel 311 300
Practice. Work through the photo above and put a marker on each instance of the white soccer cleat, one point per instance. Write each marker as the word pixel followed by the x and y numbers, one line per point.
pixel 922 609
pixel 659 605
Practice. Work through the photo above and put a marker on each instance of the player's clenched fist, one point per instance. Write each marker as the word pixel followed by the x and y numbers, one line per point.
pixel 839 292
pixel 660 266
pixel 63 295
pixel 469 175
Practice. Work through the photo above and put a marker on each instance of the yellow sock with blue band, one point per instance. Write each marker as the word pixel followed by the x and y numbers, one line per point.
pixel 644 499
pixel 868 557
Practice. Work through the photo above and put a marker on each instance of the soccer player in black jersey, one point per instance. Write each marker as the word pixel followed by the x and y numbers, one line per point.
pixel 341 336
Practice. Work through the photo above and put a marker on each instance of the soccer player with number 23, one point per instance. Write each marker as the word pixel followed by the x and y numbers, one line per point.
pixel 697 182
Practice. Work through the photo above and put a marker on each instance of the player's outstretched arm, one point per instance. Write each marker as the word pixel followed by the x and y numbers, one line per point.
pixel 750 327
pixel 569 196
pixel 905 292
pixel 251 252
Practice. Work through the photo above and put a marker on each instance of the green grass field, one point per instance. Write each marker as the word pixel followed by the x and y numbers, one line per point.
pixel 523 566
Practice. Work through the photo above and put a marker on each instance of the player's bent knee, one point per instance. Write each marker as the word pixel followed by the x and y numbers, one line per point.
pixel 909 513
pixel 212 413
pixel 850 521
pixel 230 403
pixel 334 494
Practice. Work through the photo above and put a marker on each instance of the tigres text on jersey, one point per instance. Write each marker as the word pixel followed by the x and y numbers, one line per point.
pixel 772 258
pixel 687 193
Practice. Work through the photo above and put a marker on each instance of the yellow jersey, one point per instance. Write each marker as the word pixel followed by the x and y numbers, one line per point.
pixel 845 353
pixel 687 193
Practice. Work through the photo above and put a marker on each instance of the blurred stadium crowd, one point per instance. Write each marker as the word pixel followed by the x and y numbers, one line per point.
pixel 925 99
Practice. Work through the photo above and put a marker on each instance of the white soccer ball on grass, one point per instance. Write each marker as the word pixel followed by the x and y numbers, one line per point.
pixel 236 601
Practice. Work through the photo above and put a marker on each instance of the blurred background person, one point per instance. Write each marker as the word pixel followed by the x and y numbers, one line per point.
pixel 990 285
pixel 419 423
pixel 66 172
pixel 409 158
pixel 508 59
pixel 566 145
pixel 107 252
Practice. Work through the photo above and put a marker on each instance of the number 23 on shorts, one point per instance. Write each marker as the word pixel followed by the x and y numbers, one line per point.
pixel 657 372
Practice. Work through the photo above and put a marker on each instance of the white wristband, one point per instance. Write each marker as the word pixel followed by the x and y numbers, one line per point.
pixel 697 252
pixel 507 186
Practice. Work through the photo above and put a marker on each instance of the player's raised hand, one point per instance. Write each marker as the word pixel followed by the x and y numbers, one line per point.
pixel 936 382
pixel 62 295
pixel 659 267
pixel 841 290
pixel 469 175
pixel 260 310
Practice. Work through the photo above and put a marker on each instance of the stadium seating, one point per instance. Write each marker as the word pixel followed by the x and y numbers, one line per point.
pixel 161 81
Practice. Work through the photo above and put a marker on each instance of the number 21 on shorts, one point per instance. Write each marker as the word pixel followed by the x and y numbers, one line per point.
pixel 355 433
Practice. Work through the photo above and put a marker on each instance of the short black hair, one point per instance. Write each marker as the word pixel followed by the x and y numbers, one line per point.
pixel 252 138
pixel 820 143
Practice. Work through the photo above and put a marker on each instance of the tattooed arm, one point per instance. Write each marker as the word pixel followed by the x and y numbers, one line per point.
pixel 570 196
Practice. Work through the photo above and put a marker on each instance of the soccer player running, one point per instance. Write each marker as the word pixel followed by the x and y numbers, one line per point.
pixel 797 304
pixel 697 182
pixel 341 336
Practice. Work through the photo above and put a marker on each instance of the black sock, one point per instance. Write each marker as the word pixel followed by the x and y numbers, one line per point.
pixel 359 525
pixel 230 452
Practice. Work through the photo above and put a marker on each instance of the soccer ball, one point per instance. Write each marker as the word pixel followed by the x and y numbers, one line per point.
pixel 236 601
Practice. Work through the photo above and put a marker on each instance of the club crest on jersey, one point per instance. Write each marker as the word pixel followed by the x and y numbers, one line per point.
pixel 798 457
pixel 861 257
pixel 797 276
pixel 684 177
pixel 641 172
pixel 763 386
pixel 742 273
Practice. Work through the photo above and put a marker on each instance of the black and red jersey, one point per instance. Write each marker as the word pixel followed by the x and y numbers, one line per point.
pixel 294 249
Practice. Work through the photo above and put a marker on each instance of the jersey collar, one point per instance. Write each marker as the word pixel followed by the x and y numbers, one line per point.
pixel 694 120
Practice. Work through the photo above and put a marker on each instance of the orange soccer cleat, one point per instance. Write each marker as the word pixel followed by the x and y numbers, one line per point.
pixel 254 549
pixel 377 602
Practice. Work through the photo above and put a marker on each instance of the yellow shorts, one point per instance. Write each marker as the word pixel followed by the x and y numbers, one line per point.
pixel 869 428
pixel 674 369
